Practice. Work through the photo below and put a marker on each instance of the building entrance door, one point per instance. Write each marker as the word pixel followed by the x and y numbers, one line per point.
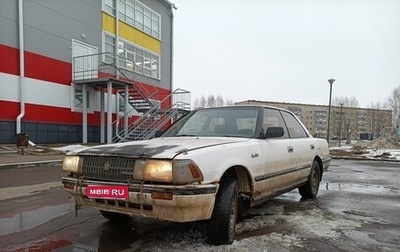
pixel 85 60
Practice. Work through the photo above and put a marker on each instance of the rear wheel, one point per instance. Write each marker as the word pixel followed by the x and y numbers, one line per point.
pixel 114 216
pixel 310 189
pixel 222 225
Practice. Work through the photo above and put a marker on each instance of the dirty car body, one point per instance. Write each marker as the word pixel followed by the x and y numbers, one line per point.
pixel 206 166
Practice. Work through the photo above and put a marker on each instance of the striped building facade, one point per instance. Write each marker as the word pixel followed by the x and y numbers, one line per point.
pixel 39 40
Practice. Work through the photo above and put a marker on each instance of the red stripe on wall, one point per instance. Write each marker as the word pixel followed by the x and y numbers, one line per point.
pixel 9 62
pixel 36 66
pixel 47 69
pixel 45 114
pixel 39 113
pixel 8 110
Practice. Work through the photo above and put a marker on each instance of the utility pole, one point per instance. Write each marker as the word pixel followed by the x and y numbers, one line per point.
pixel 340 123
pixel 331 81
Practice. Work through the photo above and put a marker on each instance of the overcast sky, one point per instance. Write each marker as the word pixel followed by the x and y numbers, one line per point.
pixel 286 50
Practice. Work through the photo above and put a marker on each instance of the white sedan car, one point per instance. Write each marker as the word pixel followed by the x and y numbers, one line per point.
pixel 206 166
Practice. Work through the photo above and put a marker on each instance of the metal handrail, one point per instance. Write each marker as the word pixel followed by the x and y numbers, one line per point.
pixel 137 123
pixel 100 67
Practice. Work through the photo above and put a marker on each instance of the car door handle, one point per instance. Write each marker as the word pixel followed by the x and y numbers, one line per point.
pixel 290 149
pixel 312 146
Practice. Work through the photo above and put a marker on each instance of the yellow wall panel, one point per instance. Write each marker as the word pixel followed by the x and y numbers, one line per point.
pixel 131 34
pixel 139 38
pixel 108 23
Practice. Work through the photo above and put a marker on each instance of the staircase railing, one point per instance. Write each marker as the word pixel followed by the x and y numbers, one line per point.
pixel 148 128
pixel 102 65
pixel 152 117
pixel 147 124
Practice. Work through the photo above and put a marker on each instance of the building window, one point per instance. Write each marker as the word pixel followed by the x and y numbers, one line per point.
pixel 109 6
pixel 109 46
pixel 133 58
pixel 121 104
pixel 78 98
pixel 136 14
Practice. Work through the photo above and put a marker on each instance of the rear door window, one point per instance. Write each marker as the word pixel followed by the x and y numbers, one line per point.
pixel 294 127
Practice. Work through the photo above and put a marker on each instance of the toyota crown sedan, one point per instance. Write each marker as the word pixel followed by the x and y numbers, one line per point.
pixel 209 165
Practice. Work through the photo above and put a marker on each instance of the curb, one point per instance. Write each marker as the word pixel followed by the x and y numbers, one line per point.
pixel 365 159
pixel 31 164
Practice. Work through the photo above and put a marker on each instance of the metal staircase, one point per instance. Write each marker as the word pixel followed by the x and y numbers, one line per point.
pixel 153 117
pixel 147 112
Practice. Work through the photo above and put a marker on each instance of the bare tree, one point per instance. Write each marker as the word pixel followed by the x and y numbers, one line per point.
pixel 229 102
pixel 350 102
pixel 219 101
pixel 200 103
pixel 211 101
pixel 394 104
pixel 347 127
pixel 378 117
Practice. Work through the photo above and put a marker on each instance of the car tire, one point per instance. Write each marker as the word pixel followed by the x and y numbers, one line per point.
pixel 114 216
pixel 310 189
pixel 222 225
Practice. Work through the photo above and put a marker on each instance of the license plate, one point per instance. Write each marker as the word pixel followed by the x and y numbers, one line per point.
pixel 107 192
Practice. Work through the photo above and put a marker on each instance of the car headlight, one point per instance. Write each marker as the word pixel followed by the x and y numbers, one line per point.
pixel 72 164
pixel 155 170
pixel 176 172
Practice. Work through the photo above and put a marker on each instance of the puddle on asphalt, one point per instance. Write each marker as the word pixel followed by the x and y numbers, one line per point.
pixel 30 219
pixel 45 244
pixel 358 188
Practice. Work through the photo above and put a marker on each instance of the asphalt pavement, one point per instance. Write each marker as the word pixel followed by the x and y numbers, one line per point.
pixel 13 157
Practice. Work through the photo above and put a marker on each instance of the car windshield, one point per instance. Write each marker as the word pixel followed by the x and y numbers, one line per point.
pixel 224 121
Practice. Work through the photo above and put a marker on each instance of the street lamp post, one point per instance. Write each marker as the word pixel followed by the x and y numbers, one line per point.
pixel 340 125
pixel 331 81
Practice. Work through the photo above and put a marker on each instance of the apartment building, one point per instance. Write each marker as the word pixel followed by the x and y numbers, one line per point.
pixel 345 122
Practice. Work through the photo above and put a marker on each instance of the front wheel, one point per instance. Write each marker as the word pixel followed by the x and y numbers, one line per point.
pixel 310 189
pixel 222 225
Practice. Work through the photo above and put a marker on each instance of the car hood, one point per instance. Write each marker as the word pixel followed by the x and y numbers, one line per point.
pixel 161 148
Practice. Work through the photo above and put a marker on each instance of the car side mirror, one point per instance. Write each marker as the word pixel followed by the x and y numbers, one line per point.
pixel 274 132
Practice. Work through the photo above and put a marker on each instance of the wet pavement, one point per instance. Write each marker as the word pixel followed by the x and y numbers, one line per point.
pixel 356 210
pixel 12 157
pixel 27 220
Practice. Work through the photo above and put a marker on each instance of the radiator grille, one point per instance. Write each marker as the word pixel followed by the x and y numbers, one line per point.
pixel 108 168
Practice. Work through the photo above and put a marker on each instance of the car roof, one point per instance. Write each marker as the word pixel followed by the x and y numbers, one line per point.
pixel 247 106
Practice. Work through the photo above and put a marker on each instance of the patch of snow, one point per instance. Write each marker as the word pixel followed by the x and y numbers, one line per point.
pixel 268 228
pixel 271 242
pixel 375 149
pixel 389 153
pixel 343 147
pixel 315 223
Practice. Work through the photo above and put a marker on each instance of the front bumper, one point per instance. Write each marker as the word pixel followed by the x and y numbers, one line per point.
pixel 188 203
